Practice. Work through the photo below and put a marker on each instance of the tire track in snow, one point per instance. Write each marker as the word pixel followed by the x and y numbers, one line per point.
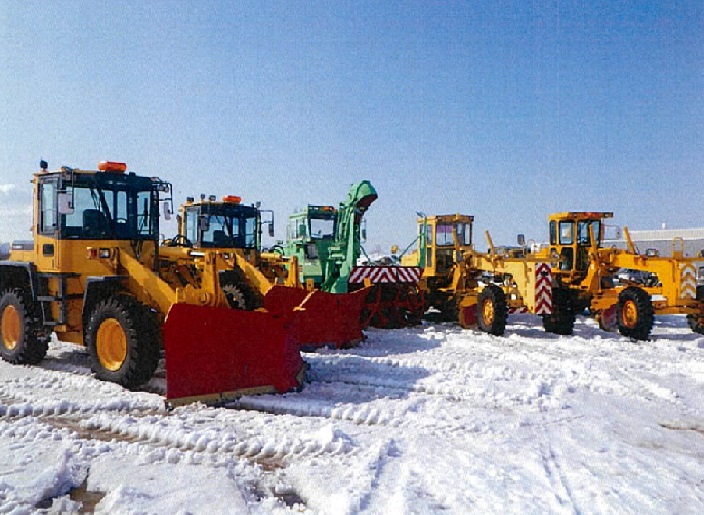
pixel 552 465
pixel 146 427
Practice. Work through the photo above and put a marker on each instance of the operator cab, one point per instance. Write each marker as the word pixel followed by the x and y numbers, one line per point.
pixel 98 205
pixel 104 211
pixel 447 237
pixel 225 225
pixel 313 223
pixel 570 239
pixel 310 234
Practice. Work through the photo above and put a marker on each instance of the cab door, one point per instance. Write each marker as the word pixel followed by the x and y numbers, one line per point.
pixel 48 223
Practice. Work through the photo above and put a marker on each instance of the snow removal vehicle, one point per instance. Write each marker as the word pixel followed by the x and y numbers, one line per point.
pixel 586 273
pixel 476 288
pixel 327 242
pixel 97 276
pixel 252 279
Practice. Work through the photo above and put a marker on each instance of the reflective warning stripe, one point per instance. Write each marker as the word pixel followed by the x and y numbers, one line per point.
pixel 385 274
pixel 688 281
pixel 543 289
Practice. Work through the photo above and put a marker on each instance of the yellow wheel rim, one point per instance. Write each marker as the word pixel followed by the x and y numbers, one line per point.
pixel 111 344
pixel 630 314
pixel 488 312
pixel 10 327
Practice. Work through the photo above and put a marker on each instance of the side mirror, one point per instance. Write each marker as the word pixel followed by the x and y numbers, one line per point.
pixel 271 230
pixel 65 203
pixel 521 240
pixel 363 231
pixel 167 211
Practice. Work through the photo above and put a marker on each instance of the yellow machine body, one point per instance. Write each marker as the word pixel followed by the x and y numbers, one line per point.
pixel 476 287
pixel 95 275
pixel 588 269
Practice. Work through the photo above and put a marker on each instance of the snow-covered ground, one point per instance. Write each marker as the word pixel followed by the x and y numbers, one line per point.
pixel 434 419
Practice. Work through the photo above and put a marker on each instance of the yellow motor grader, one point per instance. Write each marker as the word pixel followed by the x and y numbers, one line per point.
pixel 586 277
pixel 473 287
pixel 97 276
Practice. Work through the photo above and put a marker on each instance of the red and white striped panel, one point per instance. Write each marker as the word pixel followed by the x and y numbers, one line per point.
pixel 518 311
pixel 543 289
pixel 386 274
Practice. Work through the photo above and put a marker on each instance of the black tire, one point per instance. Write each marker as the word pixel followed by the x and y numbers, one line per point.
pixel 21 341
pixel 561 320
pixel 696 321
pixel 123 339
pixel 492 311
pixel 449 311
pixel 635 313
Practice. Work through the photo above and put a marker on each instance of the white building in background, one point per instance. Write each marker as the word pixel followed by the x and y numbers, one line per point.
pixel 663 239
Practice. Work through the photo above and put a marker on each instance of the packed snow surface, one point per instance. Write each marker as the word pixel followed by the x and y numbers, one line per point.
pixel 433 419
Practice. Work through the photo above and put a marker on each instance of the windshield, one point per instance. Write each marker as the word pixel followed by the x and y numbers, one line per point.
pixel 222 226
pixel 322 228
pixel 116 211
pixel 583 237
pixel 443 235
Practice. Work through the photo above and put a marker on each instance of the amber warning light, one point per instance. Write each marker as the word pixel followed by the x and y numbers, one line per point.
pixel 112 166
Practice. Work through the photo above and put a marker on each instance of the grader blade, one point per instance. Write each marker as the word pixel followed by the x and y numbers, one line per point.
pixel 323 318
pixel 218 354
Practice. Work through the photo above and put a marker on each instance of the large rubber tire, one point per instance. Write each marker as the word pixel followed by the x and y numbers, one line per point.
pixel 696 322
pixel 492 311
pixel 123 339
pixel 635 313
pixel 21 341
pixel 561 320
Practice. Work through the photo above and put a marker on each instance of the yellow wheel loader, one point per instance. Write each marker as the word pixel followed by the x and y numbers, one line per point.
pixel 586 277
pixel 476 288
pixel 252 279
pixel 96 276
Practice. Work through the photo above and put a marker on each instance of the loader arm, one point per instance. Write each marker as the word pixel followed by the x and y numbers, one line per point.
pixel 254 276
pixel 158 291
pixel 155 289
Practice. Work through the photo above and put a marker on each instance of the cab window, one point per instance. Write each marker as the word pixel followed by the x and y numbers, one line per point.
pixel 250 232
pixel 583 237
pixel 464 234
pixel 443 235
pixel 566 233
pixel 47 223
pixel 192 226
pixel 322 228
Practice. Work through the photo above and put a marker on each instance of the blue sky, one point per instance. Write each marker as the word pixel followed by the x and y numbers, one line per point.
pixel 504 110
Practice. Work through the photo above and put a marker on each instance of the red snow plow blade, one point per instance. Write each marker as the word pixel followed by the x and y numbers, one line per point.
pixel 322 318
pixel 218 354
